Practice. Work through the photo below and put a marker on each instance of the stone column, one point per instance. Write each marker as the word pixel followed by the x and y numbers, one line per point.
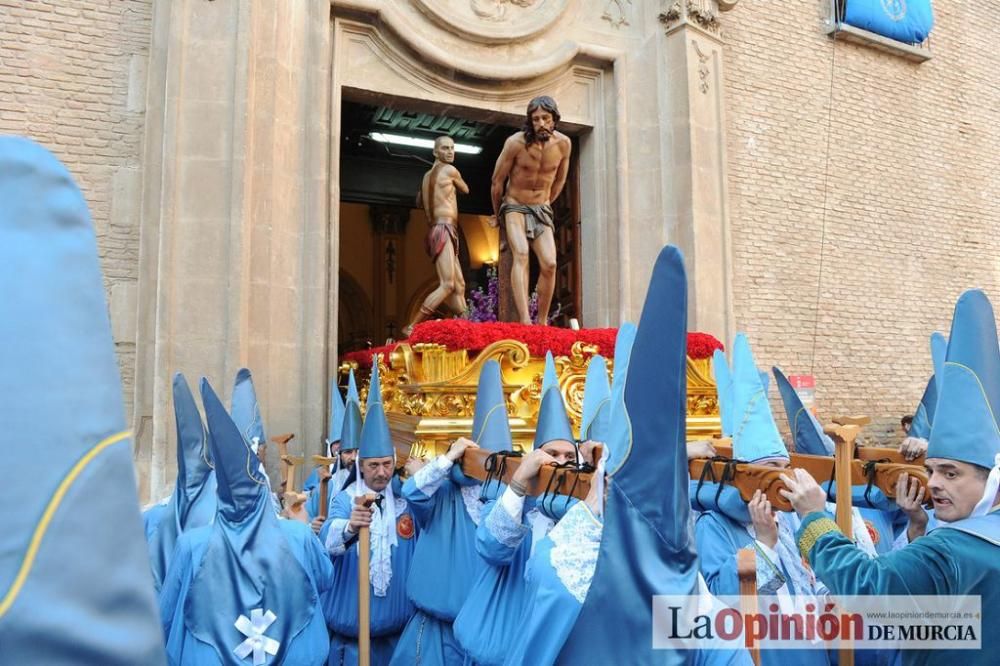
pixel 234 240
pixel 695 202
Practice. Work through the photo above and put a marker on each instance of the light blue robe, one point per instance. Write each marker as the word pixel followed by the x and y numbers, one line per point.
pixel 718 539
pixel 947 561
pixel 309 647
pixel 152 516
pixel 444 563
pixel 389 614
pixel 558 576
pixel 488 622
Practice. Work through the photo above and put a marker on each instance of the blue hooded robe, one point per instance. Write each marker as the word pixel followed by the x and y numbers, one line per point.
pixel 75 584
pixel 246 589
pixel 393 539
pixel 192 503
pixel 446 505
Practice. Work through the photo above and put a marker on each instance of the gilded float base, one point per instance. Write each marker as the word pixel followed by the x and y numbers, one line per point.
pixel 429 393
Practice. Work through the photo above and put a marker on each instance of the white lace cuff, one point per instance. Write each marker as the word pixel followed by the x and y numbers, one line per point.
pixel 335 537
pixel 430 477
pixel 509 531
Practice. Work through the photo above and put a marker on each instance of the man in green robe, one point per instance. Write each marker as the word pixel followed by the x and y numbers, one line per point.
pixel 961 555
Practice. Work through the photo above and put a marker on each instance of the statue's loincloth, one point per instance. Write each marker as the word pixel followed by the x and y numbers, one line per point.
pixel 437 238
pixel 537 217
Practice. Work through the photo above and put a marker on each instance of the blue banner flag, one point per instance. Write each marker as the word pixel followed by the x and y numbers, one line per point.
pixel 908 21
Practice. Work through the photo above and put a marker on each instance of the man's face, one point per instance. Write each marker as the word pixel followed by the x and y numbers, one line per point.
pixel 955 487
pixel 334 448
pixel 777 463
pixel 347 458
pixel 444 150
pixel 561 450
pixel 377 472
pixel 543 124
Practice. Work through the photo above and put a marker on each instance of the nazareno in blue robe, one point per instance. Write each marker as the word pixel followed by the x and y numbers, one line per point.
pixel 309 647
pixel 389 613
pixel 444 562
pixel 719 538
pixel 489 621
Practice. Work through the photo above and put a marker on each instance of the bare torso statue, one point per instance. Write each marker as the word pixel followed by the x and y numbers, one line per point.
pixel 439 200
pixel 529 175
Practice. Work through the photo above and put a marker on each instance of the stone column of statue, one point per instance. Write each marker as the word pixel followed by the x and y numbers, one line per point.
pixel 529 175
pixel 438 199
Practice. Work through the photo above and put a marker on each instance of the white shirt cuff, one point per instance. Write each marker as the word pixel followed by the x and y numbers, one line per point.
pixel 512 503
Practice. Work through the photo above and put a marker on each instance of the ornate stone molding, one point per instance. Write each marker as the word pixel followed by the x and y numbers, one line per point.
pixel 493 21
pixel 614 13
pixel 703 71
pixel 701 13
pixel 392 21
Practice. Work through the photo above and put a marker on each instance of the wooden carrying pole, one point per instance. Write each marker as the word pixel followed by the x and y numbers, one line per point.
pixel 746 569
pixel 364 587
pixel 576 484
pixel 749 478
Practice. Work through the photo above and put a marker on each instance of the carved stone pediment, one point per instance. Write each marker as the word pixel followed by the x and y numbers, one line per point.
pixel 494 21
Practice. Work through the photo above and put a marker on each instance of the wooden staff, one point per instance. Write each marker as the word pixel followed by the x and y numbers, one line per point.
pixel 324 484
pixel 843 437
pixel 567 481
pixel 746 569
pixel 364 586
pixel 289 462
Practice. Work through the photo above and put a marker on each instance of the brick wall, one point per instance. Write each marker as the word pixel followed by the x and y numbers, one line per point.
pixel 72 76
pixel 907 171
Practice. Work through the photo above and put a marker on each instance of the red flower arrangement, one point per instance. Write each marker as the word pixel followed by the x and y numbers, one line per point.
pixel 462 334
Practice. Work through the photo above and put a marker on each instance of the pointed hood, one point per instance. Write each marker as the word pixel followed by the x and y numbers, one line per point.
pixel 337 412
pixel 596 401
pixel 67 457
pixel 807 434
pixel 939 348
pixel 619 428
pixel 246 410
pixel 350 434
pixel 352 389
pixel 765 381
pixel 376 440
pixel 553 422
pixel 965 421
pixel 490 427
pixel 755 435
pixel 921 425
pixel 248 563
pixel 193 503
pixel 646 548
pixel 724 385
pixel 923 416
pixel 241 486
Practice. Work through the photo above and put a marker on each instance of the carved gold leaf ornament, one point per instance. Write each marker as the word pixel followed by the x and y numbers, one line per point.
pixel 427 409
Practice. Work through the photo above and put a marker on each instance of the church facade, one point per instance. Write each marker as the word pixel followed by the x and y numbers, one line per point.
pixel 832 191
